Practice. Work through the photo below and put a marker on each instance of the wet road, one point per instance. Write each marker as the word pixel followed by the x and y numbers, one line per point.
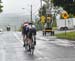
pixel 47 48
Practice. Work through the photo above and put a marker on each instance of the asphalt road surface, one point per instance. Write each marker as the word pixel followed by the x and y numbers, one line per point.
pixel 48 48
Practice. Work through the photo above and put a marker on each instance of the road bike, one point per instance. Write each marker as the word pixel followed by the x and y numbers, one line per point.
pixel 30 48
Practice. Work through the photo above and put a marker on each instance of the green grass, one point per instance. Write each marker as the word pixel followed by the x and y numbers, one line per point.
pixel 69 35
pixel 54 28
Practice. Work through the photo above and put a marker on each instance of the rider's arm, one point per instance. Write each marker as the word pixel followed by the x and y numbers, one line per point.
pixel 22 30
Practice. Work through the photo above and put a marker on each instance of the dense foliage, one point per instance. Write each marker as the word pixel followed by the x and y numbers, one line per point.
pixel 1 7
pixel 43 12
pixel 68 5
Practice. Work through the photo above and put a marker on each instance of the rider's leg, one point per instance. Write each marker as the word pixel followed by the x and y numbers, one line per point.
pixel 29 43
pixel 26 39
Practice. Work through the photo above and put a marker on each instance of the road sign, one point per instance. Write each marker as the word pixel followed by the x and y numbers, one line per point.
pixel 43 19
pixel 65 15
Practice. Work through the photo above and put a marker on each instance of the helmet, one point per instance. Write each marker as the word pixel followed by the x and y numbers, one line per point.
pixel 33 26
pixel 25 23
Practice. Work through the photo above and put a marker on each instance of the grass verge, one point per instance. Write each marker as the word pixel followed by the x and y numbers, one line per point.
pixel 69 35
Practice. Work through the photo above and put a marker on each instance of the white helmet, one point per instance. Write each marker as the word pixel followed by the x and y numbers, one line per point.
pixel 33 26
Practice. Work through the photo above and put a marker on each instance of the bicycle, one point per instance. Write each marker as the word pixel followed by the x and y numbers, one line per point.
pixel 31 48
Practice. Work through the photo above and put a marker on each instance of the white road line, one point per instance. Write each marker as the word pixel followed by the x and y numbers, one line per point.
pixel 2 53
pixel 62 43
pixel 17 37
pixel 22 43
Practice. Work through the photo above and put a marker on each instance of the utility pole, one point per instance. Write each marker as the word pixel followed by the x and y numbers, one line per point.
pixel 23 17
pixel 41 12
pixel 41 7
pixel 48 4
pixel 0 1
pixel 31 13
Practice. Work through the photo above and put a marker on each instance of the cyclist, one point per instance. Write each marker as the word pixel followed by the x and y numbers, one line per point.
pixel 25 30
pixel 31 33
pixel 8 28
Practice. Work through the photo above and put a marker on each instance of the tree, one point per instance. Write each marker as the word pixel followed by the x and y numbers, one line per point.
pixel 43 10
pixel 1 7
pixel 44 7
pixel 68 5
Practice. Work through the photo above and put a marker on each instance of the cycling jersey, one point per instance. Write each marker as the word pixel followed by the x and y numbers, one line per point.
pixel 25 30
